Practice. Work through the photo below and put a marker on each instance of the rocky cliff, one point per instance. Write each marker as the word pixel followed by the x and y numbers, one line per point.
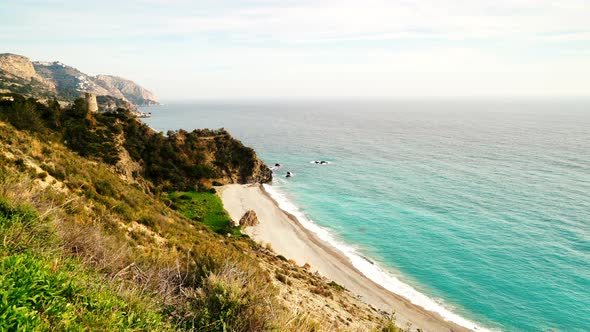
pixel 20 75
pixel 19 66
pixel 112 104
pixel 69 81
pixel 129 90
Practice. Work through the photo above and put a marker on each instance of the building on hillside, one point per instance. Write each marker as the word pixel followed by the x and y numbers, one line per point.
pixel 91 102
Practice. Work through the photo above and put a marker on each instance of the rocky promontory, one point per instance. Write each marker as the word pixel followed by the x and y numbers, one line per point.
pixel 53 79
pixel 129 90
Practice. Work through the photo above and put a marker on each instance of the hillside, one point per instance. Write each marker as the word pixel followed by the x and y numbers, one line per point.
pixel 85 247
pixel 177 161
pixel 10 83
pixel 69 81
pixel 129 90
pixel 19 74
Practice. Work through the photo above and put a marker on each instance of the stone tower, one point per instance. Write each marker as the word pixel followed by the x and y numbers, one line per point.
pixel 91 102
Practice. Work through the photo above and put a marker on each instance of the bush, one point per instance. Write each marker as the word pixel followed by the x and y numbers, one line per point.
pixel 104 188
pixel 338 287
pixel 321 291
pixel 226 301
pixel 147 220
pixel 283 278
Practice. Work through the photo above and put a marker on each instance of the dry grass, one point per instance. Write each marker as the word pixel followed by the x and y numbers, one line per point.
pixel 199 279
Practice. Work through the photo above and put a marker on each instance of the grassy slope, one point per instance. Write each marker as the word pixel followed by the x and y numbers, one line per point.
pixel 103 254
pixel 198 279
pixel 42 289
pixel 204 207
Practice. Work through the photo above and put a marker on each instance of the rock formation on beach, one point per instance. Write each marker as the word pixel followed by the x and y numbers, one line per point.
pixel 249 219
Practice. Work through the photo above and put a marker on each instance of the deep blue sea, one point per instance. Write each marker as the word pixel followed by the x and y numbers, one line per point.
pixel 482 205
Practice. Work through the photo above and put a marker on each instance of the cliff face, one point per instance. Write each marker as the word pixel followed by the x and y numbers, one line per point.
pixel 112 104
pixel 18 75
pixel 70 82
pixel 128 90
pixel 55 79
pixel 261 173
pixel 21 67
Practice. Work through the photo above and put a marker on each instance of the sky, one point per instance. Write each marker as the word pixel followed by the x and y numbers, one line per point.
pixel 221 49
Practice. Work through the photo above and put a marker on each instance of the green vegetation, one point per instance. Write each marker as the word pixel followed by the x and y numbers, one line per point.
pixel 203 207
pixel 173 267
pixel 44 290
pixel 65 78
pixel 178 161
pixel 24 87
pixel 81 248
pixel 337 286
pixel 89 135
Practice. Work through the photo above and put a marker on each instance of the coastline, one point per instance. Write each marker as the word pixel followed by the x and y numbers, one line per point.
pixel 288 237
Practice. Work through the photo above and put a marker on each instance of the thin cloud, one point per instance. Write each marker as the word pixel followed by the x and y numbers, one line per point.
pixel 304 47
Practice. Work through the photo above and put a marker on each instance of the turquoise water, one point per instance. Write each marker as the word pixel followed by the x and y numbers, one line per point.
pixel 483 205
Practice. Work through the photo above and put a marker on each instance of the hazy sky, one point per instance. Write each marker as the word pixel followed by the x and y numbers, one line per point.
pixel 259 49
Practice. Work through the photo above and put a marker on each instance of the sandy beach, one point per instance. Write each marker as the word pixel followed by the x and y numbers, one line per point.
pixel 290 239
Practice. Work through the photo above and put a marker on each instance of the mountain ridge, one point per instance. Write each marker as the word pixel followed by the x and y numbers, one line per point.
pixel 39 79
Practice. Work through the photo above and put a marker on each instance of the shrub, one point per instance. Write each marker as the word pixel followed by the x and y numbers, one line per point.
pixel 281 277
pixel 321 291
pixel 104 188
pixel 338 287
pixel 227 301
pixel 147 220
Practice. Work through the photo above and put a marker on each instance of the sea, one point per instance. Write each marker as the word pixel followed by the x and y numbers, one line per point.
pixel 476 208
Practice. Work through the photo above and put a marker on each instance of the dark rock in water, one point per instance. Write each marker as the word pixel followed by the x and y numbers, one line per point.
pixel 277 165
pixel 249 219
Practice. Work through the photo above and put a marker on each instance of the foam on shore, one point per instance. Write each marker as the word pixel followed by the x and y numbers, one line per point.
pixel 368 268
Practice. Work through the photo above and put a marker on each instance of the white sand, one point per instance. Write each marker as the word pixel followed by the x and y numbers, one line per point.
pixel 288 238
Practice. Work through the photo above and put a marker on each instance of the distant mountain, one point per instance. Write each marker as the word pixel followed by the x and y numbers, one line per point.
pixel 55 79
pixel 69 81
pixel 134 93
pixel 18 75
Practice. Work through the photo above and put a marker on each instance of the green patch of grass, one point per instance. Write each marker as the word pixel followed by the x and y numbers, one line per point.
pixel 42 290
pixel 337 286
pixel 39 295
pixel 203 207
